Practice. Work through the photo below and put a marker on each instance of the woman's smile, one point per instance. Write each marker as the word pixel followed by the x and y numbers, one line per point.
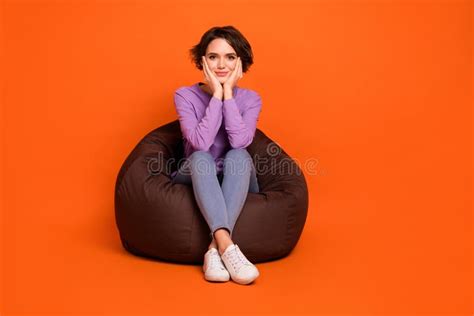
pixel 221 74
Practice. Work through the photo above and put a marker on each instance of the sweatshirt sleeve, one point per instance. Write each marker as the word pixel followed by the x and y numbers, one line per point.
pixel 241 127
pixel 200 134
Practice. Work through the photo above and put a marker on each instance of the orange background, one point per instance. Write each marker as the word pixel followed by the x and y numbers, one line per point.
pixel 377 93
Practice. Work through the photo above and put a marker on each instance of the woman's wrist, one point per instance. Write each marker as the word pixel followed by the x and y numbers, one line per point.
pixel 228 93
pixel 218 95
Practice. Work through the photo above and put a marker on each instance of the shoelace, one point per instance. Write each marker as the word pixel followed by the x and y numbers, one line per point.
pixel 215 261
pixel 237 257
pixel 242 257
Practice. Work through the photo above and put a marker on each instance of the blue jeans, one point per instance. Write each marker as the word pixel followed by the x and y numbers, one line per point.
pixel 220 197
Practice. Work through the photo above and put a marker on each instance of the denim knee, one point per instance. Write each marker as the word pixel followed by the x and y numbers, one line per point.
pixel 237 160
pixel 202 162
pixel 237 153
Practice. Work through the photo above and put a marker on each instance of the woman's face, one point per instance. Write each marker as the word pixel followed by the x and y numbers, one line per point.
pixel 221 58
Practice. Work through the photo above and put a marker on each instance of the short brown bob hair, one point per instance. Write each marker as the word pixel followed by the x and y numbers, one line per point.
pixel 235 39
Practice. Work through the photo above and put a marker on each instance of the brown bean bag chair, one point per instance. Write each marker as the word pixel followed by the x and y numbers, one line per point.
pixel 161 220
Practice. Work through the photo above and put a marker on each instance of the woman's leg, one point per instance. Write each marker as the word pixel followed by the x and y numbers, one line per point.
pixel 238 169
pixel 207 191
pixel 237 165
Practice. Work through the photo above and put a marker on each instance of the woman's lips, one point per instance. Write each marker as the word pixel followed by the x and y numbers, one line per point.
pixel 221 74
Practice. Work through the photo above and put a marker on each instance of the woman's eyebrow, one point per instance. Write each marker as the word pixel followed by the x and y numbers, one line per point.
pixel 226 54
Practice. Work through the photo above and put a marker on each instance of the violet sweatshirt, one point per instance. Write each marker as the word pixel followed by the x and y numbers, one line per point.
pixel 214 125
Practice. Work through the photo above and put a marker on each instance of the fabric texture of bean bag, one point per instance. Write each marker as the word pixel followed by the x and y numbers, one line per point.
pixel 160 219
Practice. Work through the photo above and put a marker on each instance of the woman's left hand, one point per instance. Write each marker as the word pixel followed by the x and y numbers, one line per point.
pixel 234 76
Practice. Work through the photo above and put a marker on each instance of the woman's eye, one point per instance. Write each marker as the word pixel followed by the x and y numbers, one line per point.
pixel 231 57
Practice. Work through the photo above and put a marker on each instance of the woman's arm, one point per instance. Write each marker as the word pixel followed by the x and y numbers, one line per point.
pixel 201 134
pixel 241 128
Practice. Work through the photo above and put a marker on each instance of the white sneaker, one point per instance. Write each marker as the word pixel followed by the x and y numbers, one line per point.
pixel 213 268
pixel 240 268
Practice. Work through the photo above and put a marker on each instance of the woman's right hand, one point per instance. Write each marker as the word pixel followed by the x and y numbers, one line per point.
pixel 212 81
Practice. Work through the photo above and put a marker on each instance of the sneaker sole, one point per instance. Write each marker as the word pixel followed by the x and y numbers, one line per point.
pixel 246 281
pixel 214 279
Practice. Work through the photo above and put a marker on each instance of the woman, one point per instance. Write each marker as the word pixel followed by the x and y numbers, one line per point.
pixel 218 121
